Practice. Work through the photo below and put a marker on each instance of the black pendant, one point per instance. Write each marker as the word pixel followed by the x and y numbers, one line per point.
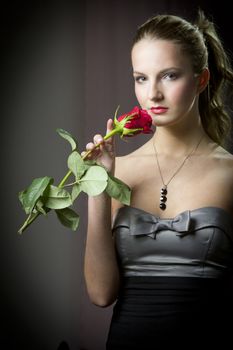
pixel 163 198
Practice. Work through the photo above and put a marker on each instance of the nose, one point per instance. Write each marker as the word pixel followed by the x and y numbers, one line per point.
pixel 155 93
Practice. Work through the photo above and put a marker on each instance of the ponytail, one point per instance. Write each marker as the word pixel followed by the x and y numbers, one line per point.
pixel 214 115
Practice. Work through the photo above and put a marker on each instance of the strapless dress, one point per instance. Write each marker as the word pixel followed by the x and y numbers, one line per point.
pixel 176 285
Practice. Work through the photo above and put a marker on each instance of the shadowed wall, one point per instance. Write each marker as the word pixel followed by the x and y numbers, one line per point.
pixel 65 65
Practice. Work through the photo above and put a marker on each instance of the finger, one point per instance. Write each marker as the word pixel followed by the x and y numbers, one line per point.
pixel 109 125
pixel 98 139
pixel 109 128
pixel 90 146
pixel 91 152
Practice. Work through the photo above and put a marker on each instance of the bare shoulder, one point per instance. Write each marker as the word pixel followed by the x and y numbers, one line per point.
pixel 121 165
pixel 224 163
pixel 129 169
pixel 124 163
pixel 226 158
pixel 127 166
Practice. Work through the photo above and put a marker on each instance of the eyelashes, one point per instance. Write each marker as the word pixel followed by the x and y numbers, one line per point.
pixel 168 76
pixel 139 79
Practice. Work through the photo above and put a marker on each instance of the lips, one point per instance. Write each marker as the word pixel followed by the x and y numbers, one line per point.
pixel 159 110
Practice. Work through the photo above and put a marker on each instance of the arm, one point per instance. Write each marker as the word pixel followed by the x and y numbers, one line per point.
pixel 100 264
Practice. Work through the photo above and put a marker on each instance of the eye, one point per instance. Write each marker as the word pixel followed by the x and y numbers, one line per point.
pixel 140 79
pixel 170 76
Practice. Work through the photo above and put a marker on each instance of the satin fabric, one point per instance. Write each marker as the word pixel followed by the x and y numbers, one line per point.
pixel 176 288
pixel 172 312
pixel 196 243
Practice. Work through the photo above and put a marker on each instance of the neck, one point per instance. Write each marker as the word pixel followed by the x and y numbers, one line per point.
pixel 177 142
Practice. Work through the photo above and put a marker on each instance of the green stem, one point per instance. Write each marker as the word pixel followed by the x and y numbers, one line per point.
pixel 63 181
pixel 29 221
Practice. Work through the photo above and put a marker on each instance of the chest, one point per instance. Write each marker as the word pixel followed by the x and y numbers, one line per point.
pixel 195 185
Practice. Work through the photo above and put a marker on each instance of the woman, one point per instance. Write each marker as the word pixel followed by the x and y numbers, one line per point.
pixel 169 266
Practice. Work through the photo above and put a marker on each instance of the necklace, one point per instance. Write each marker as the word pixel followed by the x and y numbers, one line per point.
pixel 163 191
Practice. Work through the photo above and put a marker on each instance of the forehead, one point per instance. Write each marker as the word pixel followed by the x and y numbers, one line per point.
pixel 158 54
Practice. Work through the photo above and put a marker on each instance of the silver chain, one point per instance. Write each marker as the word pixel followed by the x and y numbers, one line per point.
pixel 181 165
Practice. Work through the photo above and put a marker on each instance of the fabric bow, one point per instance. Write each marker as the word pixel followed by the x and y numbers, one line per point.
pixel 150 225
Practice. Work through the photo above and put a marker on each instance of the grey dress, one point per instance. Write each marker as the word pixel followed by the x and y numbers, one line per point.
pixel 176 279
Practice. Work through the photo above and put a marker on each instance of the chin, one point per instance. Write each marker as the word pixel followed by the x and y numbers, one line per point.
pixel 161 121
pixel 165 120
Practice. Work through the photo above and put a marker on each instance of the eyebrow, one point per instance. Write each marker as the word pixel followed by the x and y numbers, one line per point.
pixel 161 72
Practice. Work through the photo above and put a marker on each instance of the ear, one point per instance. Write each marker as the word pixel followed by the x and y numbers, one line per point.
pixel 203 80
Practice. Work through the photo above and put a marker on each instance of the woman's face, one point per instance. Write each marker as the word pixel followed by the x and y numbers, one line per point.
pixel 165 83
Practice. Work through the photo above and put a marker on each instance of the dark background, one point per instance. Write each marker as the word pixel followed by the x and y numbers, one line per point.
pixel 63 64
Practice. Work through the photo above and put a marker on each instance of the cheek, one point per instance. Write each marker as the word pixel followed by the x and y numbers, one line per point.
pixel 139 93
pixel 184 93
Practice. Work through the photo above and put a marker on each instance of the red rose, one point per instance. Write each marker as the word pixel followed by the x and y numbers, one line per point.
pixel 137 121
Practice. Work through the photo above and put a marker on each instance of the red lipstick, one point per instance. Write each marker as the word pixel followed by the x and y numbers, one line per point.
pixel 159 110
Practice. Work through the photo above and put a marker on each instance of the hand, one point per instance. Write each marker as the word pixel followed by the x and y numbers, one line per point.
pixel 103 151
